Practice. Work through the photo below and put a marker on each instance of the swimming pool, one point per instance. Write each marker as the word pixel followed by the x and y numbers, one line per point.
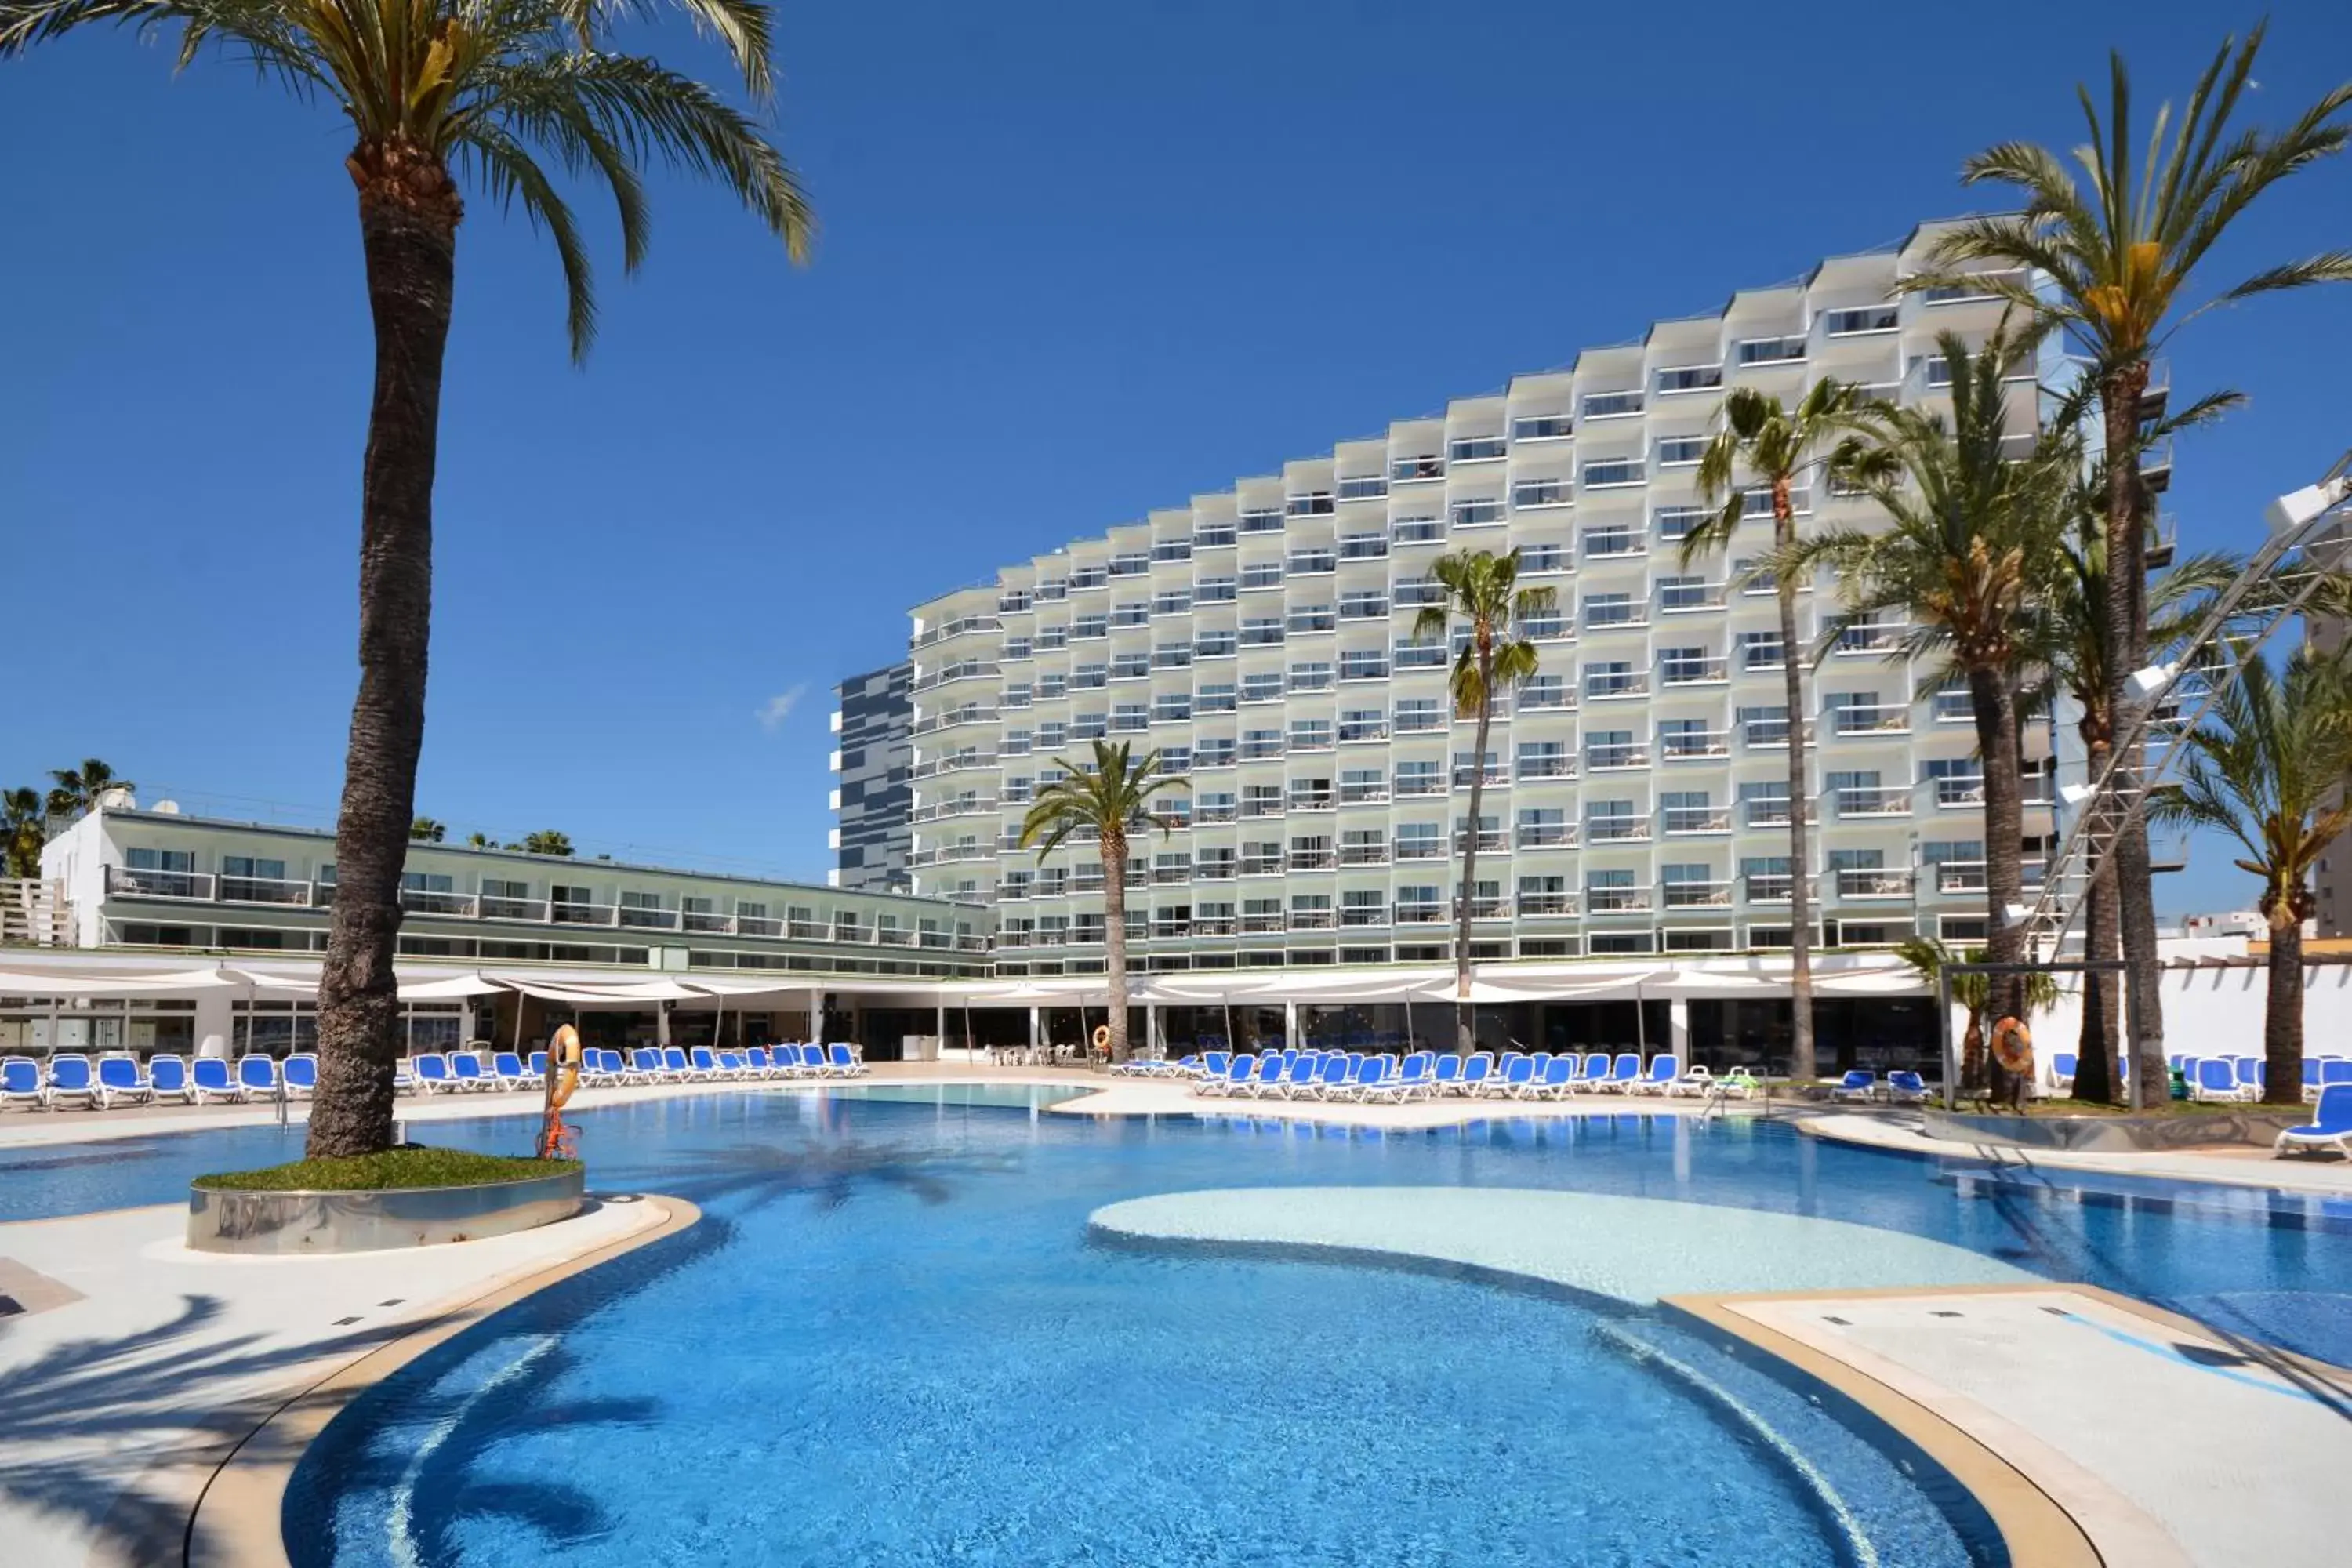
pixel 894 1339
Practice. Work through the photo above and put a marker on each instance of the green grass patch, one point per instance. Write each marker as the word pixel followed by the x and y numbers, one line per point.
pixel 412 1166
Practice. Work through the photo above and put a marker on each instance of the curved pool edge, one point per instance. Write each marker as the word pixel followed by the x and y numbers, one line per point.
pixel 2035 1530
pixel 238 1521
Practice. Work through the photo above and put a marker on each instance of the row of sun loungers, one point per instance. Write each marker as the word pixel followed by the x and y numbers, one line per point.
pixel 1901 1088
pixel 72 1081
pixel 1336 1075
pixel 462 1071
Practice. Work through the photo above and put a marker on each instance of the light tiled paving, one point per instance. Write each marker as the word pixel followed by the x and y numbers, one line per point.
pixel 2231 1166
pixel 116 1407
pixel 2167 1444
pixel 1632 1250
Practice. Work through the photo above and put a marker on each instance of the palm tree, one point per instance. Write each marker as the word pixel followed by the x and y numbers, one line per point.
pixel 2110 265
pixel 1483 588
pixel 1105 803
pixel 2037 992
pixel 1778 446
pixel 436 91
pixel 546 841
pixel 1969 532
pixel 85 788
pixel 2267 768
pixel 23 819
pixel 424 830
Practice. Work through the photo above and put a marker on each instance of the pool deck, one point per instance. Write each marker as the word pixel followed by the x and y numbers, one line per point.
pixel 154 1395
pixel 2166 1444
pixel 139 1369
pixel 2239 1167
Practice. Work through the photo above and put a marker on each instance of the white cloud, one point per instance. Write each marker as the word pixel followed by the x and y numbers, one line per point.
pixel 779 707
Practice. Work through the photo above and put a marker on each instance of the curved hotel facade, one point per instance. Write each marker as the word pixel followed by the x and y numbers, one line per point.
pixel 1261 640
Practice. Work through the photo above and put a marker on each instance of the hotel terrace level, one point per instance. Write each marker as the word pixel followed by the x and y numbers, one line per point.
pixel 1637 804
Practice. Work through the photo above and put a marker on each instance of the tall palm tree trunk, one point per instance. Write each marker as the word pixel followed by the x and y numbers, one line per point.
pixel 1465 1010
pixel 1114 863
pixel 2094 1062
pixel 1800 890
pixel 2283 1019
pixel 2120 391
pixel 1994 705
pixel 408 229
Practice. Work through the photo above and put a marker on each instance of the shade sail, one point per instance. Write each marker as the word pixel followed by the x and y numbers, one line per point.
pixel 78 983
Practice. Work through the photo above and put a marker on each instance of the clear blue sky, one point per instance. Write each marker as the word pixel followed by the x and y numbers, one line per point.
pixel 1077 261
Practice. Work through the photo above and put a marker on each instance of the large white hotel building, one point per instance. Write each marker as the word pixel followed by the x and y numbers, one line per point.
pixel 1260 640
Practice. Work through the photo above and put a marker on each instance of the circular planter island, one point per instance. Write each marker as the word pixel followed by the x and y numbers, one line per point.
pixel 250 1213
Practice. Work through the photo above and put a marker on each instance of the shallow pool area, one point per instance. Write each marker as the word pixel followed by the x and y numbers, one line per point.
pixel 901 1334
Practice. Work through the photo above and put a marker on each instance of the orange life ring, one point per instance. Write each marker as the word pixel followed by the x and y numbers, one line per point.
pixel 2012 1045
pixel 564 1047
pixel 1102 1036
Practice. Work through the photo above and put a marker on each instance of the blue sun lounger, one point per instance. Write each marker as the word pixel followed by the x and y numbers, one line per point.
pixel 1447 1072
pixel 1267 1080
pixel 1474 1073
pixel 1905 1087
pixel 299 1076
pixel 846 1063
pixel 167 1078
pixel 256 1074
pixel 645 1064
pixel 1857 1084
pixel 70 1078
pixel 1624 1072
pixel 2062 1070
pixel 1664 1068
pixel 466 1071
pixel 1557 1078
pixel 1218 1085
pixel 20 1081
pixel 1595 1071
pixel 120 1079
pixel 211 1080
pixel 507 1071
pixel 1416 1079
pixel 1511 1075
pixel 2216 1080
pixel 2330 1126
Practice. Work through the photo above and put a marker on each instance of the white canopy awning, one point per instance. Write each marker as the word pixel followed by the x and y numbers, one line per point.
pixel 62 984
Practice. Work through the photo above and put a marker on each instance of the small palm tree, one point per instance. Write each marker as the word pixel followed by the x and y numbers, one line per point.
pixel 2110 262
pixel 1778 447
pixel 1969 533
pixel 1105 803
pixel 437 92
pixel 85 788
pixel 2267 768
pixel 424 830
pixel 546 841
pixel 2038 992
pixel 1483 589
pixel 23 820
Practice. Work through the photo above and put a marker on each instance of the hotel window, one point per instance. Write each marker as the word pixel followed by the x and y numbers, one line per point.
pixel 1542 558
pixel 1675 524
pixel 1533 493
pixel 1050 591
pixel 1363 665
pixel 1088 577
pixel 1475 448
pixel 1418 713
pixel 1264 686
pixel 1053 688
pixel 1687 738
pixel 1215 752
pixel 1314 677
pixel 1608 609
pixel 1052 638
pixel 1681 451
pixel 1618 539
pixel 1541 428
pixel 1174 602
pixel 1690 378
pixel 1172 656
pixel 1760 650
pixel 1172 707
pixel 1261 575
pixel 1363 724
pixel 1128 718
pixel 1053 735
pixel 1089 627
pixel 1418 841
pixel 1542 826
pixel 1130 667
pixel 1363 487
pixel 1131 614
pixel 1413 591
pixel 1214 591
pixel 1363 546
pixel 1217 698
pixel 1412 653
pixel 1858 319
pixel 1212 536
pixel 1543 691
pixel 1773 350
pixel 1682 593
pixel 1018 787
pixel 1764 802
pixel 1476 513
pixel 1130 563
pixel 1363 605
pixel 1260 744
pixel 1417 530
pixel 1960 781
pixel 1088 726
pixel 1262 631
pixel 176 860
pixel 1089 676
pixel 1313 562
pixel 1610 749
pixel 1016 647
pixel 1215 805
pixel 1172 550
pixel 1262 520
pixel 1316 503
pixel 1612 405
pixel 1418 778
pixel 1310 734
pixel 1213 644
pixel 1313 618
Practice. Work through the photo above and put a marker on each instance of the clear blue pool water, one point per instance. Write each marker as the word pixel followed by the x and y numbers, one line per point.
pixel 890 1341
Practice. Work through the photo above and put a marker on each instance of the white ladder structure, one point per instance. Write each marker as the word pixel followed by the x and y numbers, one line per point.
pixel 2119 792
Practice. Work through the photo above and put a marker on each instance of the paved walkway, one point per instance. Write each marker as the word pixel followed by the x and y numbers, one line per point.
pixel 2230 1167
pixel 2167 1444
pixel 139 1364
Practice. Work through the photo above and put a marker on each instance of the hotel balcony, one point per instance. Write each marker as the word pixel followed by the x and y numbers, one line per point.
pixel 1547 906
pixel 1617 900
pixel 1872 802
pixel 1874 883
pixel 1696 895
pixel 1547 835
pixel 1855 719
